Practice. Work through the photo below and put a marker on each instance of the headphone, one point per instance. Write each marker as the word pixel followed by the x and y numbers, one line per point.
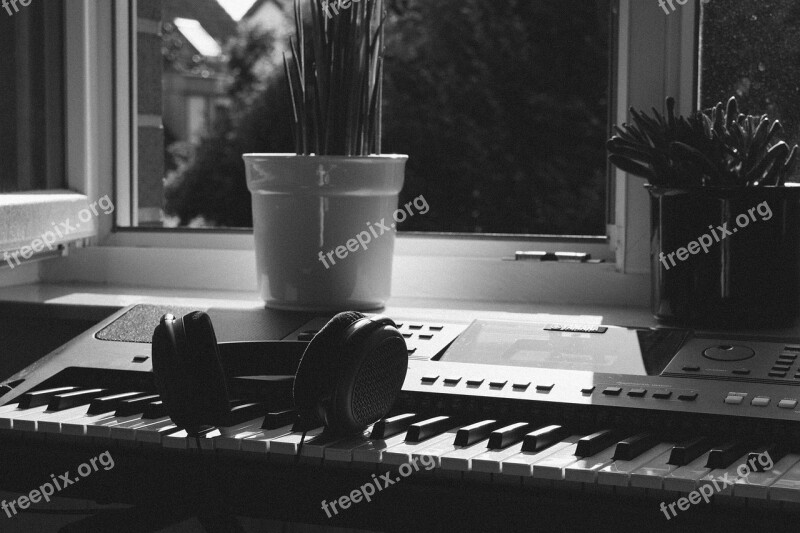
pixel 348 376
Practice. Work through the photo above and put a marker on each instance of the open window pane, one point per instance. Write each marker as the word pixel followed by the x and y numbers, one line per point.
pixel 501 105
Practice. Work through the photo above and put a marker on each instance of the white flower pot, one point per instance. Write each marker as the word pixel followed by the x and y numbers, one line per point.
pixel 317 223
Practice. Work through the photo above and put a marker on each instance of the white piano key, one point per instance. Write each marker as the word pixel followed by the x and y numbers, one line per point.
pixel 154 434
pixel 757 484
pixel 720 473
pixel 402 453
pixel 460 457
pixel 522 464
pixel 182 441
pixel 652 474
pixel 684 478
pixel 7 419
pixel 288 444
pixel 77 426
pixel 230 437
pixel 260 441
pixel 49 421
pixel 127 430
pixel 342 451
pixel 787 487
pixel 618 473
pixel 102 428
pixel 552 466
pixel 585 469
pixel 316 448
pixel 372 451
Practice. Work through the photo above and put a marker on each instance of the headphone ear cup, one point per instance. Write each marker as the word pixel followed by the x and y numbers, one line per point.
pixel 189 372
pixel 208 391
pixel 317 370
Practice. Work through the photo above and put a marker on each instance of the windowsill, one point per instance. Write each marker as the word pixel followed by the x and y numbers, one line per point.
pixel 39 221
pixel 95 302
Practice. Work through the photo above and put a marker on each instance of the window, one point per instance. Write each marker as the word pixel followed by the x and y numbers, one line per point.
pixel 31 97
pixel 502 106
pixel 751 49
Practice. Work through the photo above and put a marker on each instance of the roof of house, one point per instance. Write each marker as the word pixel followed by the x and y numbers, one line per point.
pixel 212 16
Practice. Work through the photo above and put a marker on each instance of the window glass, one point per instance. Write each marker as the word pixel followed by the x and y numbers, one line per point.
pixel 501 105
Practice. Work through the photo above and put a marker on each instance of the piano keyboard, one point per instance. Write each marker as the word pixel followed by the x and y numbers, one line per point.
pixel 515 451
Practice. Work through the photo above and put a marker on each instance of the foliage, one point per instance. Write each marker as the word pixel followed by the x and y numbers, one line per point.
pixel 719 147
pixel 335 79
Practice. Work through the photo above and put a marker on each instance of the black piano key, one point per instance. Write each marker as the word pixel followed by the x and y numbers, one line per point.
pixel 543 438
pixel 474 432
pixel 774 452
pixel 155 409
pixel 134 406
pixel 66 400
pixel 723 455
pixel 105 404
pixel 505 437
pixel 245 411
pixel 278 419
pixel 383 429
pixel 41 397
pixel 633 447
pixel 594 443
pixel 687 451
pixel 431 427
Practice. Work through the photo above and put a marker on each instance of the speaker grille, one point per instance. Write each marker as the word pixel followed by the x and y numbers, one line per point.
pixel 378 381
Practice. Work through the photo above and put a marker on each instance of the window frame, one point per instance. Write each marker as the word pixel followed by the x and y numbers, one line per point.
pixel 652 47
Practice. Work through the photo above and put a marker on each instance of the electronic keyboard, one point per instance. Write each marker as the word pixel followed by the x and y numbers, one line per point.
pixel 522 424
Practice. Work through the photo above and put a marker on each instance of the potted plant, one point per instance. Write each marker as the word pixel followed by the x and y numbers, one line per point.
pixel 319 214
pixel 725 223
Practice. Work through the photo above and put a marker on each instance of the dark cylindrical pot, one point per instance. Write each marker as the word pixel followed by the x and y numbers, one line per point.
pixel 725 258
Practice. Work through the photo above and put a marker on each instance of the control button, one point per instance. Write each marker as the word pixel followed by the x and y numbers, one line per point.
pixel 546 387
pixel 497 384
pixel 411 350
pixel 140 358
pixel 662 394
pixel 788 355
pixel 741 371
pixel 787 404
pixel 760 401
pixel 408 335
pixel 426 336
pixel 521 387
pixel 780 367
pixel 727 352
pixel 587 390
pixel 637 393
pixel 734 400
pixel 415 326
pixel 777 374
pixel 436 327
pixel 429 380
pixel 688 396
pixel 612 391
pixel 474 382
pixel 398 325
pixel 792 347
pixel 691 368
pixel 452 381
